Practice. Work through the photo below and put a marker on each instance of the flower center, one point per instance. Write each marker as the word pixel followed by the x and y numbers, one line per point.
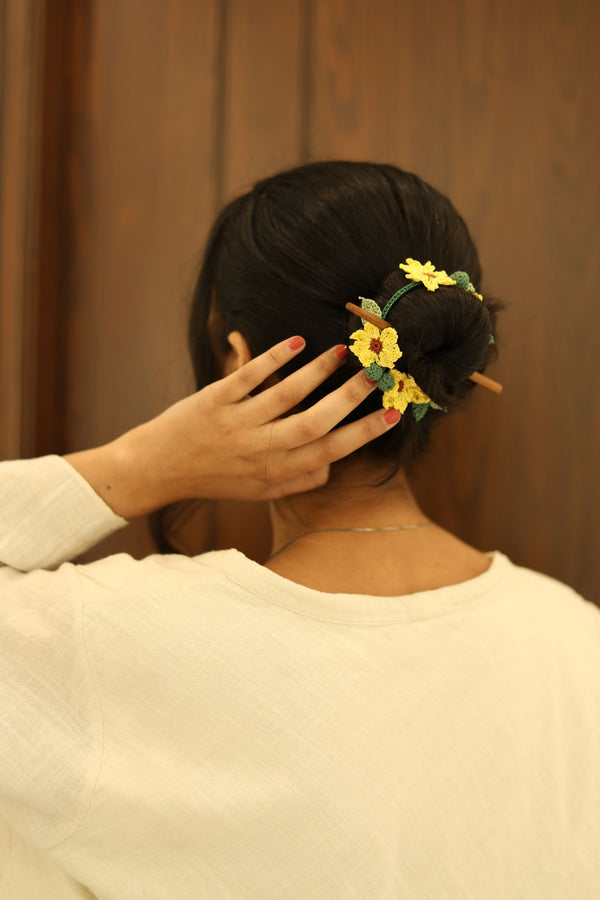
pixel 375 346
pixel 400 386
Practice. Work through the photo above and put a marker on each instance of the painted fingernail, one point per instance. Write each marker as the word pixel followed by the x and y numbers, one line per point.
pixel 341 352
pixel 392 416
pixel 295 343
pixel 368 380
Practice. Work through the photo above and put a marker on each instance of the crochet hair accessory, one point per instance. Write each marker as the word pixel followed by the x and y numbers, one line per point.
pixel 376 344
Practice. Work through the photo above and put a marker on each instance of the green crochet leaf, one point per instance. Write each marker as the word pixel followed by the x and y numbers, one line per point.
pixel 435 406
pixel 369 306
pixel 386 382
pixel 492 341
pixel 419 410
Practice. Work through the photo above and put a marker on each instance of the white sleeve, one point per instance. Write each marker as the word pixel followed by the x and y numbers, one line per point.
pixel 51 722
pixel 51 733
pixel 49 514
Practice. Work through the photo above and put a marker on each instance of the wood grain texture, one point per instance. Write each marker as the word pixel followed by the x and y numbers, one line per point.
pixel 263 97
pixel 142 188
pixel 47 430
pixel 492 103
pixel 21 66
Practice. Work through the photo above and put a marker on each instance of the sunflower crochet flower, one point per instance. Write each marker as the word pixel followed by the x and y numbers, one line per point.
pixel 416 271
pixel 405 391
pixel 373 345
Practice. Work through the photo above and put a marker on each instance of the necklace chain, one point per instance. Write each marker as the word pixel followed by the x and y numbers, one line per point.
pixel 382 528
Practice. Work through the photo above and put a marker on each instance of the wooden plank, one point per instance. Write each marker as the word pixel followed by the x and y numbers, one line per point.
pixel 21 24
pixel 263 97
pixel 491 102
pixel 47 416
pixel 142 194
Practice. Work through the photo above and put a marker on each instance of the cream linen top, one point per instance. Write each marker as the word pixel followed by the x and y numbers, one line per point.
pixel 201 728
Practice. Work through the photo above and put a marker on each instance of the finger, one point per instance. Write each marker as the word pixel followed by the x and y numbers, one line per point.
pixel 342 442
pixel 277 400
pixel 298 485
pixel 238 385
pixel 313 423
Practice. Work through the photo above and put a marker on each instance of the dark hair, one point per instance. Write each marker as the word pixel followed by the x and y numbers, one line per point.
pixel 288 255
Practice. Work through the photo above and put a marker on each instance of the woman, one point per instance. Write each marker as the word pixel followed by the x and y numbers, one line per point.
pixel 380 710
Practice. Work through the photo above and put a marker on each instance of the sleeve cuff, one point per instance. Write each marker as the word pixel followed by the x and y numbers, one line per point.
pixel 49 513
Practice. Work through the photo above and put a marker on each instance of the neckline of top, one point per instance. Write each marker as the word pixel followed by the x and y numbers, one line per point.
pixel 357 608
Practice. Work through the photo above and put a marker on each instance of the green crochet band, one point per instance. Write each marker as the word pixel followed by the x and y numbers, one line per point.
pixel 461 280
pixel 396 296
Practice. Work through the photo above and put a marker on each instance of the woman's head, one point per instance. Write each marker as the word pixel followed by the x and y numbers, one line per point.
pixel 287 256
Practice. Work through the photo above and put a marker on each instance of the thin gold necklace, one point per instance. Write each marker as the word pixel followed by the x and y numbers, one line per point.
pixel 382 528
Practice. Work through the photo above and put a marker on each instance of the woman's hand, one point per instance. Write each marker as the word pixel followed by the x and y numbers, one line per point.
pixel 222 443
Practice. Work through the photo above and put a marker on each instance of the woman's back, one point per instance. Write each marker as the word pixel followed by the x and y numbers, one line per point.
pixel 242 735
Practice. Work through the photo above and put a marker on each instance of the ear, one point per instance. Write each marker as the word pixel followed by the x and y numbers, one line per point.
pixel 239 354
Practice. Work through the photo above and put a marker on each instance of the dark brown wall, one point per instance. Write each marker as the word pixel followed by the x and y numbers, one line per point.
pixel 21 77
pixel 167 108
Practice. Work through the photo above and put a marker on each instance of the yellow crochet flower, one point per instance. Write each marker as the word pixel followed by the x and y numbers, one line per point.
pixel 372 345
pixel 405 391
pixel 416 271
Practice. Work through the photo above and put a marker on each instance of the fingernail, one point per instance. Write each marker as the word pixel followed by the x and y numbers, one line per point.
pixel 391 416
pixel 295 343
pixel 341 352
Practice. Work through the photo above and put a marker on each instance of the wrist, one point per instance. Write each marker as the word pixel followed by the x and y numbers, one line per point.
pixel 122 476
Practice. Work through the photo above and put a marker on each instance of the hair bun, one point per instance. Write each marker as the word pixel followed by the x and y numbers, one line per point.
pixel 444 334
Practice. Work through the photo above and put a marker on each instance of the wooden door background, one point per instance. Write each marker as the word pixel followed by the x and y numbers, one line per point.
pixel 130 122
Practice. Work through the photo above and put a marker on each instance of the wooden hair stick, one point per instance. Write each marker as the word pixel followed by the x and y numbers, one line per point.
pixel 477 377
